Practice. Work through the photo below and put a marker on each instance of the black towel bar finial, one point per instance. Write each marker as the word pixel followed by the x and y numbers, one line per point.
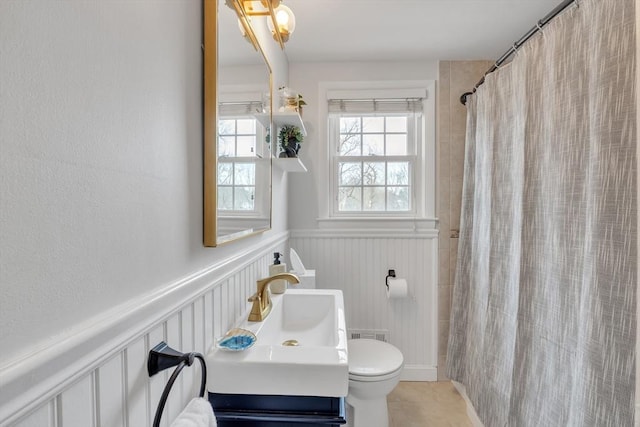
pixel 162 357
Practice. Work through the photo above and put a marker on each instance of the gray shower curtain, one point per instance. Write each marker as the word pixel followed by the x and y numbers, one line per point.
pixel 543 321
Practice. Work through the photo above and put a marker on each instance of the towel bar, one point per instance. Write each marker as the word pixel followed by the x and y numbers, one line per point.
pixel 162 357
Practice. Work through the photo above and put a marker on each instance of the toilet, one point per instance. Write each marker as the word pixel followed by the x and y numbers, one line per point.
pixel 374 370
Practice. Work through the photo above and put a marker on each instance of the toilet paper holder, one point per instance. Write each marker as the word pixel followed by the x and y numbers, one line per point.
pixel 392 273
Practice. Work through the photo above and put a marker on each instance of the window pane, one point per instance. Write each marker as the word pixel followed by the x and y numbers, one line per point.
pixel 225 198
pixel 226 146
pixel 350 125
pixel 398 173
pixel 396 124
pixel 373 173
pixel 374 162
pixel 245 174
pixel 349 199
pixel 247 126
pixel 244 198
pixel 226 127
pixel 398 198
pixel 396 144
pixel 246 146
pixel 225 173
pixel 349 173
pixel 373 144
pixel 373 198
pixel 350 144
pixel 373 124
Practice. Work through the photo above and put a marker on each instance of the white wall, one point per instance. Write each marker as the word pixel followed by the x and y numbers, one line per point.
pixel 100 165
pixel 276 57
pixel 305 189
pixel 354 259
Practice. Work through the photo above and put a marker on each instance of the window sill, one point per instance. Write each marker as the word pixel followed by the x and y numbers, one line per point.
pixel 376 218
pixel 410 224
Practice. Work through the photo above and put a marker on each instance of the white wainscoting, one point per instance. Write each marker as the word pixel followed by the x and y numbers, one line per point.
pixel 357 261
pixel 99 377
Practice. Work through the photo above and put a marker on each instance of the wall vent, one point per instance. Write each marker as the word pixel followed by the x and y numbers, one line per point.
pixel 374 334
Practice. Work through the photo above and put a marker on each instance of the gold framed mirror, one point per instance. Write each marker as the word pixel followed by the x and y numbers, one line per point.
pixel 237 123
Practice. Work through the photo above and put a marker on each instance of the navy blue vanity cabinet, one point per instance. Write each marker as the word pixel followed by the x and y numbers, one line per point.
pixel 248 410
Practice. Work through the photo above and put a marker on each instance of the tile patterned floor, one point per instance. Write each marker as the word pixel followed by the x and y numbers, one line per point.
pixel 427 404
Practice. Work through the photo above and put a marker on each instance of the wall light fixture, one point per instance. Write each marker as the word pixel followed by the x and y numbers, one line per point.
pixel 285 23
pixel 279 16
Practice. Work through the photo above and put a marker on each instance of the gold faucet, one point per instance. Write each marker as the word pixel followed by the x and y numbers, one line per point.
pixel 262 300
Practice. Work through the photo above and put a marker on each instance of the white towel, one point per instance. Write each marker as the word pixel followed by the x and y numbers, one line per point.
pixel 198 413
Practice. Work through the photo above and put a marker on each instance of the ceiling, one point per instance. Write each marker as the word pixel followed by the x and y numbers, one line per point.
pixel 395 30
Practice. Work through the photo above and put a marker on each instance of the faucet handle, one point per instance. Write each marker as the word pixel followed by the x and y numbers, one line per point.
pixel 254 297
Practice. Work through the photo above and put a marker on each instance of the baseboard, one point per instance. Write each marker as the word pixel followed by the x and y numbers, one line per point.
pixel 42 374
pixel 419 373
pixel 471 412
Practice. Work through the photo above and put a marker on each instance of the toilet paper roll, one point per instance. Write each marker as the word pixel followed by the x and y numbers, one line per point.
pixel 398 288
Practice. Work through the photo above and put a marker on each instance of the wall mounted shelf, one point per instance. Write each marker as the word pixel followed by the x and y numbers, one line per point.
pixel 289 164
pixel 280 119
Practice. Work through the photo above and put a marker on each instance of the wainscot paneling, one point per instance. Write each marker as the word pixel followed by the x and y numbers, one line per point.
pixel 99 378
pixel 357 262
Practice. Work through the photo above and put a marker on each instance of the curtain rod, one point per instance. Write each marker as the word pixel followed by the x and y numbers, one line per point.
pixel 541 23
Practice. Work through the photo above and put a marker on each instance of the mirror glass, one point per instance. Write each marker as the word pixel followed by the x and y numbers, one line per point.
pixel 241 177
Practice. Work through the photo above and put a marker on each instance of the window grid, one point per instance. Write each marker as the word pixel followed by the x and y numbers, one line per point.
pixel 237 190
pixel 236 164
pixel 374 158
pixel 237 137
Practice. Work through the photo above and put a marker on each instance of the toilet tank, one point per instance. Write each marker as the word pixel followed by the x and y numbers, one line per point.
pixel 307 277
pixel 307 280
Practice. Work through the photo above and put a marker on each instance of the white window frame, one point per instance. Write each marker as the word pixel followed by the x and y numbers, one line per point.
pixel 262 206
pixel 260 155
pixel 424 192
pixel 414 126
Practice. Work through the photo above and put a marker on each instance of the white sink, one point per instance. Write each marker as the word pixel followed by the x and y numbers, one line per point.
pixel 317 366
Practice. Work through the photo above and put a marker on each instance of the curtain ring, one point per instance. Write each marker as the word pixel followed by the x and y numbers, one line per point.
pixel 539 27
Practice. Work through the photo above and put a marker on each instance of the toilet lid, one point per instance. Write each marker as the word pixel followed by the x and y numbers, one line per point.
pixel 373 358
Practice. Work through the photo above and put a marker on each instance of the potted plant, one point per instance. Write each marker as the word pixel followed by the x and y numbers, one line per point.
pixel 290 138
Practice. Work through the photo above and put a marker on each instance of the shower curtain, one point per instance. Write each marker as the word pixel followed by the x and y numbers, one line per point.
pixel 543 321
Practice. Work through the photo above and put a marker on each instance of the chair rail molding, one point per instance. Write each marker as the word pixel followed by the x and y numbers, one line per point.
pixel 186 313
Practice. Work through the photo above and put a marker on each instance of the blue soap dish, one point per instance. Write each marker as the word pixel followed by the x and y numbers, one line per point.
pixel 237 340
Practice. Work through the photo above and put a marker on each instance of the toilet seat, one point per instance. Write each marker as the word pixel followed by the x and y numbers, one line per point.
pixel 375 378
pixel 372 360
